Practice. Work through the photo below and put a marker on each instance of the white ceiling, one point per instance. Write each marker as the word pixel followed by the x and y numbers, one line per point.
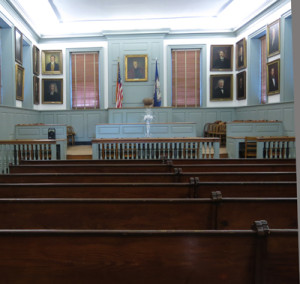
pixel 52 18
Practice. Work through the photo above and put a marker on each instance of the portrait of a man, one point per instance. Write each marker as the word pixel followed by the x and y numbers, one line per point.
pixel 221 57
pixel 52 91
pixel 241 54
pixel 19 82
pixel 52 62
pixel 136 67
pixel 18 46
pixel 220 87
pixel 241 86
pixel 52 65
pixel 36 60
pixel 273 78
pixel 36 90
pixel 273 38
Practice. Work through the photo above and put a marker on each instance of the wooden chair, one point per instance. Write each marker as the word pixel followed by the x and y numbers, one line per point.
pixel 70 135
pixel 250 147
pixel 206 129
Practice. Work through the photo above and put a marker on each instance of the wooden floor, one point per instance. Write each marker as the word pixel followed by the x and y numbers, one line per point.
pixel 81 152
pixel 84 152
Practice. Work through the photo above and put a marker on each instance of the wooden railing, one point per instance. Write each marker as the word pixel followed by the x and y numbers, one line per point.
pixel 12 151
pixel 156 148
pixel 281 147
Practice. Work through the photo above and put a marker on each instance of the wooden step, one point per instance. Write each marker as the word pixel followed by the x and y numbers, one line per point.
pixel 79 157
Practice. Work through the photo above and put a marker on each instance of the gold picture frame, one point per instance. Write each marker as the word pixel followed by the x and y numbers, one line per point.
pixel 273 38
pixel 221 87
pixel 273 77
pixel 52 62
pixel 136 68
pixel 18 46
pixel 52 91
pixel 20 77
pixel 221 57
pixel 36 90
pixel 241 85
pixel 36 60
pixel 241 54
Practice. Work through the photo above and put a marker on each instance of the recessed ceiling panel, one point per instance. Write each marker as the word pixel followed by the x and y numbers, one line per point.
pixel 51 18
pixel 100 10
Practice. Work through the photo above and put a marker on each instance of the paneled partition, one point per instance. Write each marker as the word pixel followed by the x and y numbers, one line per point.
pixel 156 148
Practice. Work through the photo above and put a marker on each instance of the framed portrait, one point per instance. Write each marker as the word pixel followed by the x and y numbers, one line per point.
pixel 221 57
pixel 273 38
pixel 52 62
pixel 36 60
pixel 273 77
pixel 241 85
pixel 20 76
pixel 52 91
pixel 36 90
pixel 221 87
pixel 136 68
pixel 241 54
pixel 18 46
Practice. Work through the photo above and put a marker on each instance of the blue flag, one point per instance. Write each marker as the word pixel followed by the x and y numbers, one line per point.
pixel 157 95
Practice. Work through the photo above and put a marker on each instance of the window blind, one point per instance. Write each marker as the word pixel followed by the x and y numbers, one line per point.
pixel 263 70
pixel 186 78
pixel 85 80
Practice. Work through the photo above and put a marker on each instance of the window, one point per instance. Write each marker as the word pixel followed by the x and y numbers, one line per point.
pixel 85 80
pixel 186 78
pixel 1 99
pixel 263 70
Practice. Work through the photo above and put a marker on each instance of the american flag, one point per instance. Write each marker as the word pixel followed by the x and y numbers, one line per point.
pixel 119 90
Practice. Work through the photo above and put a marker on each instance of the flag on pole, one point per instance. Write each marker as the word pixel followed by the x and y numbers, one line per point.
pixel 157 95
pixel 119 89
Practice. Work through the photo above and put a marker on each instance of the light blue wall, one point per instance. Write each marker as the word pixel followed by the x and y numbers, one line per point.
pixel 8 64
pixel 84 122
pixel 152 44
pixel 10 116
pixel 118 47
pixel 286 60
pixel 280 111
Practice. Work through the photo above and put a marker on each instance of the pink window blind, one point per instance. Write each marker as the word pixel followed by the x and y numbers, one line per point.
pixel 186 78
pixel 263 70
pixel 85 80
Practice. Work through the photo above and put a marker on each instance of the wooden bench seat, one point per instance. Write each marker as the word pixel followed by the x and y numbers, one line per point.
pixel 247 189
pixel 98 190
pixel 144 168
pixel 148 190
pixel 146 214
pixel 177 176
pixel 233 256
pixel 163 161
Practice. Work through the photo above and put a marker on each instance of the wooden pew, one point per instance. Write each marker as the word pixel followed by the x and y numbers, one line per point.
pixel 259 255
pixel 148 190
pixel 99 190
pixel 163 161
pixel 177 176
pixel 144 168
pixel 82 168
pixel 247 189
pixel 146 214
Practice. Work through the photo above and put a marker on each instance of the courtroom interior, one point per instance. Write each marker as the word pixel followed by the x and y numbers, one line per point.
pixel 148 142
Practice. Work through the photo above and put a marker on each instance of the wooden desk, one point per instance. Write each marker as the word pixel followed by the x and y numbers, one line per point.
pixel 285 147
pixel 40 131
pixel 138 130
pixel 237 130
